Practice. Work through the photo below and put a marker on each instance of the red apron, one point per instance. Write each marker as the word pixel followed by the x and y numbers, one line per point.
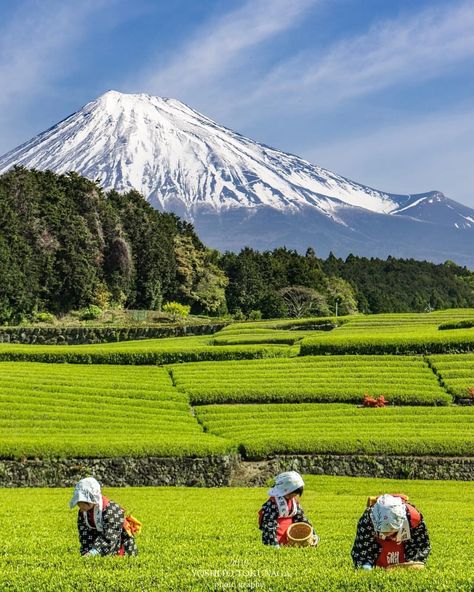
pixel 391 553
pixel 284 524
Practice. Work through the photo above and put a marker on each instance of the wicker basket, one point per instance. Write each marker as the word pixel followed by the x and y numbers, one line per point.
pixel 300 534
pixel 408 565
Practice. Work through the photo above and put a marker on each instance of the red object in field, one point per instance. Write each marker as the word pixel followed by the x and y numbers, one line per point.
pixel 470 391
pixel 391 553
pixel 371 402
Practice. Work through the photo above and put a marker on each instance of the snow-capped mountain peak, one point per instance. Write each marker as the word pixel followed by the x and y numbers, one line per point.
pixel 182 160
pixel 238 192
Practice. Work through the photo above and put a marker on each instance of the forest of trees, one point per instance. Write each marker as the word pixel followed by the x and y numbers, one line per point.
pixel 65 244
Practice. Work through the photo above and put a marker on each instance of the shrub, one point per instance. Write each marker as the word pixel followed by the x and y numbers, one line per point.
pixel 255 315
pixel 465 324
pixel 91 313
pixel 44 317
pixel 177 310
pixel 238 315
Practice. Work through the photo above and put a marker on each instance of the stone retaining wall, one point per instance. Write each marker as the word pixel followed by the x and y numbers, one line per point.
pixel 227 470
pixel 389 467
pixel 213 471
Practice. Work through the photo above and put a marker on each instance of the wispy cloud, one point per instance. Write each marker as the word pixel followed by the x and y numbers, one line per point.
pixel 34 44
pixel 434 152
pixel 410 49
pixel 222 44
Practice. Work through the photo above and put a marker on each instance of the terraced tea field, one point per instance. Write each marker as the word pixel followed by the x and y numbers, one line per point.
pixel 261 431
pixel 456 373
pixel 113 400
pixel 395 334
pixel 146 351
pixel 50 410
pixel 401 379
pixel 207 539
pixel 105 411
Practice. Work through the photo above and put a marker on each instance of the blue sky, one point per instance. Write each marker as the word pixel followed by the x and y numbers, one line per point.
pixel 381 91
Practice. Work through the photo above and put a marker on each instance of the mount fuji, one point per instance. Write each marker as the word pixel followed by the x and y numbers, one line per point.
pixel 238 192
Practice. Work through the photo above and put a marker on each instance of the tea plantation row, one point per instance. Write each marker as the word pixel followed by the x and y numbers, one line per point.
pixel 207 539
pixel 105 411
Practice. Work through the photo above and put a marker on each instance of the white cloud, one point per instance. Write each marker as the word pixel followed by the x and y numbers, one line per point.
pixel 411 49
pixel 435 152
pixel 221 44
pixel 33 45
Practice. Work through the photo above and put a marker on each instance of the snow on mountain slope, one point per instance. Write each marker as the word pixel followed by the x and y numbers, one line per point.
pixel 438 209
pixel 171 153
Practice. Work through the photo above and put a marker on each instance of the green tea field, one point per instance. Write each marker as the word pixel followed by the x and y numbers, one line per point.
pixel 250 392
pixel 207 539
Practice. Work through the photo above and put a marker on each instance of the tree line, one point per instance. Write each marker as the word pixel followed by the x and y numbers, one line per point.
pixel 65 244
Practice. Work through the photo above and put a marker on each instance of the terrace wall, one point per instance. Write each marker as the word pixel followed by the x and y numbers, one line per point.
pixel 212 471
pixel 219 471
pixel 88 335
pixel 389 467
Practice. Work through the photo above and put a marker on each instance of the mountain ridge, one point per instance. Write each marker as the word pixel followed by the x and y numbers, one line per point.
pixel 183 161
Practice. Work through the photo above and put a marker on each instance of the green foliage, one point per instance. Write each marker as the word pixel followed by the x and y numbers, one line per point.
pixel 370 343
pixel 173 556
pixel 456 372
pixel 64 245
pixel 88 411
pixel 400 285
pixel 261 431
pixel 44 317
pixel 254 315
pixel 102 296
pixel 148 351
pixel 466 324
pixel 177 310
pixel 401 379
pixel 91 313
pixel 342 292
pixel 202 282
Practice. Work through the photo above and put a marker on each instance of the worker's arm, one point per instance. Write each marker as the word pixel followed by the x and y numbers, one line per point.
pixel 418 547
pixel 269 524
pixel 365 550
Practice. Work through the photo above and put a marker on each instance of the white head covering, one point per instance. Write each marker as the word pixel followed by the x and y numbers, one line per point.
pixel 389 514
pixel 286 483
pixel 86 490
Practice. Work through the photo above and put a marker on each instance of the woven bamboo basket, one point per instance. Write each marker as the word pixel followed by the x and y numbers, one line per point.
pixel 408 565
pixel 300 534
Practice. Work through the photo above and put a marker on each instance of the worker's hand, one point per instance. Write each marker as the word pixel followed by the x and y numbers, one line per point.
pixel 315 540
pixel 367 566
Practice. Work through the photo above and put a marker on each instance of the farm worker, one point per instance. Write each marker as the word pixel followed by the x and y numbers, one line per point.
pixel 102 525
pixel 390 532
pixel 282 509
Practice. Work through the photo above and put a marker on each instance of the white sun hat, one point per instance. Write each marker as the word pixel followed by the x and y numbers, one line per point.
pixel 286 483
pixel 86 490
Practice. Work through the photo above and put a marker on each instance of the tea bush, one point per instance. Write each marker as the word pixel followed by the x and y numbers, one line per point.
pixel 52 410
pixel 456 372
pixel 145 351
pixel 197 540
pixel 401 379
pixel 268 430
